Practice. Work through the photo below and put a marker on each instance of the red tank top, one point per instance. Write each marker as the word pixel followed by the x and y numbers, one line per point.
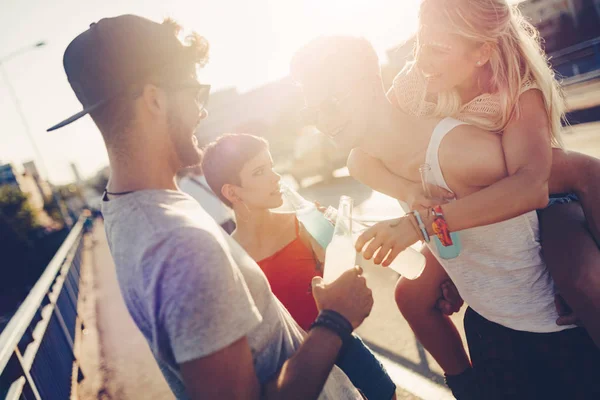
pixel 290 272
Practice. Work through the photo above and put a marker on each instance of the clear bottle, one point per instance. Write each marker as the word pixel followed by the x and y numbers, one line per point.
pixel 410 263
pixel 340 255
pixel 312 219
pixel 431 190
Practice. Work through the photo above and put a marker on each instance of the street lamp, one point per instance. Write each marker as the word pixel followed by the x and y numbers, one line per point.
pixel 18 106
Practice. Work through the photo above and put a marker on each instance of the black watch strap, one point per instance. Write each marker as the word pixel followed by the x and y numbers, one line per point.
pixel 336 323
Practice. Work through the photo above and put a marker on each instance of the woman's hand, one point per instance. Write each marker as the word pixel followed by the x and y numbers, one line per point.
pixel 418 200
pixel 392 236
pixel 321 208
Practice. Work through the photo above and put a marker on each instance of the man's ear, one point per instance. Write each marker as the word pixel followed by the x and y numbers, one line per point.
pixel 154 100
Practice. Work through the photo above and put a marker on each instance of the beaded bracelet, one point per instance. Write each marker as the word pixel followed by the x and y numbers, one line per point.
pixel 421 225
pixel 415 225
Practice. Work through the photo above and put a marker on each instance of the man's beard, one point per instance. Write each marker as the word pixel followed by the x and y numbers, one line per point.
pixel 184 144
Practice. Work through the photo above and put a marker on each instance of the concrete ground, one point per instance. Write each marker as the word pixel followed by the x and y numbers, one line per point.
pixel 116 359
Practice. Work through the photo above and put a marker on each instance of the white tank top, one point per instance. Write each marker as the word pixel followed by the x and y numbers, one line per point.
pixel 499 272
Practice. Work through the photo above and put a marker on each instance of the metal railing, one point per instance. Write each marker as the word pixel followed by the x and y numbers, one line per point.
pixel 578 63
pixel 37 359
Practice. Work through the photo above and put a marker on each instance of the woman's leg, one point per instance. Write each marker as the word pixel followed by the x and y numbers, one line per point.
pixel 417 300
pixel 573 259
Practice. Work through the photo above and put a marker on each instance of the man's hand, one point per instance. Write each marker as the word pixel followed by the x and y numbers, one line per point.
pixel 565 313
pixel 450 301
pixel 418 200
pixel 347 295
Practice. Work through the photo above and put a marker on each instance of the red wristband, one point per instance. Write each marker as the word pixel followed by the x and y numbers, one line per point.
pixel 440 226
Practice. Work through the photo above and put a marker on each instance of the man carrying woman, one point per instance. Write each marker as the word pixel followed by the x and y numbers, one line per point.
pixel 500 271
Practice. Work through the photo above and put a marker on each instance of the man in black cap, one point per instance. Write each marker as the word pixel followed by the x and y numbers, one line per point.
pixel 204 306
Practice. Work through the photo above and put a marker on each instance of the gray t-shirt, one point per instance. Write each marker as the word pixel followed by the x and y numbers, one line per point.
pixel 193 291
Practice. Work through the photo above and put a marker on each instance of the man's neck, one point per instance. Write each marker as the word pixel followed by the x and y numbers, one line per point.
pixel 141 169
pixel 390 130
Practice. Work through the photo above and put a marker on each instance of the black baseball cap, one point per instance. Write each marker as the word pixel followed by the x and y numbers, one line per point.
pixel 102 62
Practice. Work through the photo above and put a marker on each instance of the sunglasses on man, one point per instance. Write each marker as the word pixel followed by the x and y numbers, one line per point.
pixel 310 114
pixel 201 96
pixel 202 92
pixel 331 105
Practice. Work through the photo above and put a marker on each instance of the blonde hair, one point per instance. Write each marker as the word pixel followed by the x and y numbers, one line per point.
pixel 517 62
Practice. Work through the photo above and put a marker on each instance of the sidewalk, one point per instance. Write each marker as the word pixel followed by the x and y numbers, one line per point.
pixel 115 358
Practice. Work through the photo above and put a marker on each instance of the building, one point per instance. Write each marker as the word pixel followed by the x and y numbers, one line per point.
pixel 563 23
pixel 273 110
pixel 24 182
pixel 8 175
pixel 270 111
pixel 43 185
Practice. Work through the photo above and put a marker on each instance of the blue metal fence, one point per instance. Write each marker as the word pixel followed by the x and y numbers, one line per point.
pixel 578 63
pixel 37 359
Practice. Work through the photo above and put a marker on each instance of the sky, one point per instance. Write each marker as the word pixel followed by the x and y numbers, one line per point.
pixel 251 44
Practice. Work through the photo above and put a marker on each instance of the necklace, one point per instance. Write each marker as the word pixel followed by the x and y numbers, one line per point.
pixel 106 193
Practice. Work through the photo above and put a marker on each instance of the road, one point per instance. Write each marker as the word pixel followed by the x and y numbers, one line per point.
pixel 118 358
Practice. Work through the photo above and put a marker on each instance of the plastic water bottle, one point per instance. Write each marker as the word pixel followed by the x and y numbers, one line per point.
pixel 340 255
pixel 313 220
pixel 410 263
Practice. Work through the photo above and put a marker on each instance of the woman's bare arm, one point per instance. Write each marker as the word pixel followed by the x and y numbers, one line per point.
pixel 528 156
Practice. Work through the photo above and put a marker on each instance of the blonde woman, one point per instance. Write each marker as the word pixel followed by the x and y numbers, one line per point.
pixel 517 349
pixel 480 62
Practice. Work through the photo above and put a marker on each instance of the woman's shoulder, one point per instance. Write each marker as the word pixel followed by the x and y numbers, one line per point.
pixel 409 89
pixel 528 84
pixel 308 241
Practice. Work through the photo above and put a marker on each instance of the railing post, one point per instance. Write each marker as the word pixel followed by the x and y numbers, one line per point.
pixel 37 355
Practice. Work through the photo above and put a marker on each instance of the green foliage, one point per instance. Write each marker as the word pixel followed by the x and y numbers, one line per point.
pixel 52 209
pixel 16 214
pixel 18 232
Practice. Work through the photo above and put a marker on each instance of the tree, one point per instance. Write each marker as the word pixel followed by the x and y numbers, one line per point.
pixel 18 226
pixel 16 212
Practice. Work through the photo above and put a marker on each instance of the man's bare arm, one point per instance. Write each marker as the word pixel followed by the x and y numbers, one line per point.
pixel 230 374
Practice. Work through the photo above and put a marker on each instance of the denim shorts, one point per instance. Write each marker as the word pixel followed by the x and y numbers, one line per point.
pixel 562 198
pixel 365 371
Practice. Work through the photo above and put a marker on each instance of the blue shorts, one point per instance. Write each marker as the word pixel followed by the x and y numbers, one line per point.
pixel 365 371
pixel 562 198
